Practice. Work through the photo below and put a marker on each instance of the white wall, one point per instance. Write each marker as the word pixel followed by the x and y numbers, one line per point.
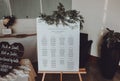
pixel 98 14
pixel 113 15
pixel 92 11
pixel 29 43
pixel 24 26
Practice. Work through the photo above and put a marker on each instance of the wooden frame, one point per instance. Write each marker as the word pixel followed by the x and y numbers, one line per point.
pixel 81 71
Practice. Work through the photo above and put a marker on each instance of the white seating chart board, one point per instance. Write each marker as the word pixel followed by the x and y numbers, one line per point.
pixel 58 47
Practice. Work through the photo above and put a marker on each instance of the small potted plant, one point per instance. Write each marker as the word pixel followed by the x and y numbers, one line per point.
pixel 8 21
pixel 110 53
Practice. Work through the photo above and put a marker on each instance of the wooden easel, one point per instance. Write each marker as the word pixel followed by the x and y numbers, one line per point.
pixel 81 71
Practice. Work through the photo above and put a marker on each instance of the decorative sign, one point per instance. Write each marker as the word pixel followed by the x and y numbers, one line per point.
pixel 10 56
pixel 58 47
pixel 6 31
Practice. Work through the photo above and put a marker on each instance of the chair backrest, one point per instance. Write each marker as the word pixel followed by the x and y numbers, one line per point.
pixel 85 48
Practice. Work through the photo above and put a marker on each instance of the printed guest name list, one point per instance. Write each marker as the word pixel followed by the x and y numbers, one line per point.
pixel 58 47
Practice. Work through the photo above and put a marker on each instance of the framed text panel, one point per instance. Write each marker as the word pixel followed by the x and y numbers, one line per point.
pixel 58 47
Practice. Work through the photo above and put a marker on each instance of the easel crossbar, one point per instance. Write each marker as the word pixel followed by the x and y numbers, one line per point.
pixel 81 71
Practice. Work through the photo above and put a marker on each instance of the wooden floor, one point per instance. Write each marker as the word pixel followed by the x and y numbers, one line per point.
pixel 93 74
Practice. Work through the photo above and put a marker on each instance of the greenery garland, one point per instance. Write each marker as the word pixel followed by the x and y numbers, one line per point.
pixel 64 16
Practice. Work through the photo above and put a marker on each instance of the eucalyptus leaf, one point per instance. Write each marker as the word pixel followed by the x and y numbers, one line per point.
pixel 63 16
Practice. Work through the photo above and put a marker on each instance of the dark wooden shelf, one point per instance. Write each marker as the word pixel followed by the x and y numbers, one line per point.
pixel 17 35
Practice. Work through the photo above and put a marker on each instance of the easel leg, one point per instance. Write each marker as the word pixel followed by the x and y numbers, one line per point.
pixel 43 77
pixel 61 76
pixel 80 78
